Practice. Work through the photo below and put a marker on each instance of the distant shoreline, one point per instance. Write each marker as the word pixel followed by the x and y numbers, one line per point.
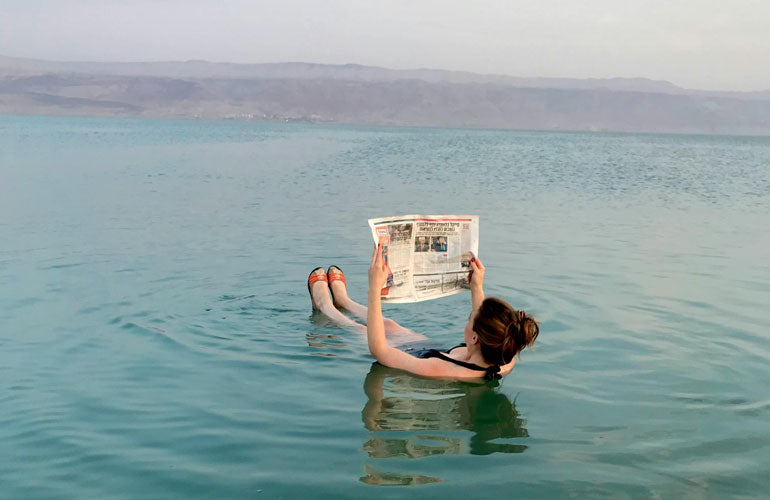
pixel 352 94
pixel 371 125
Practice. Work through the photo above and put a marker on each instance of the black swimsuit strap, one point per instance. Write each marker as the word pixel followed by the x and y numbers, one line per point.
pixel 490 373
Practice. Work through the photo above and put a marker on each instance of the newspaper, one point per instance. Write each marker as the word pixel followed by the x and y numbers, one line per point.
pixel 428 255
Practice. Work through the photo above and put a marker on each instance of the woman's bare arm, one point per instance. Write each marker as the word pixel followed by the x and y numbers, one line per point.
pixel 375 324
pixel 375 329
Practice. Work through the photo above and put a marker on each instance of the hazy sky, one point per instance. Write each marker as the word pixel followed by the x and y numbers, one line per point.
pixel 711 44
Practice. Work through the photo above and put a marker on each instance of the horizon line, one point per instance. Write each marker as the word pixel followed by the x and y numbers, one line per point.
pixel 505 75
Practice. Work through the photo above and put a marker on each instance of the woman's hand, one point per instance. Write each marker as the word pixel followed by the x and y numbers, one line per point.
pixel 378 272
pixel 477 274
pixel 477 283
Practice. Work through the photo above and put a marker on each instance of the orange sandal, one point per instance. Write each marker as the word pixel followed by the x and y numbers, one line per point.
pixel 336 275
pixel 333 275
pixel 312 278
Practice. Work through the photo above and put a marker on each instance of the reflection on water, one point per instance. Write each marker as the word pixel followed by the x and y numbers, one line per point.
pixel 378 478
pixel 427 417
pixel 324 343
pixel 321 340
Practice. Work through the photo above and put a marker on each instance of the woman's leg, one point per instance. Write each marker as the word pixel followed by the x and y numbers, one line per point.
pixel 341 299
pixel 319 295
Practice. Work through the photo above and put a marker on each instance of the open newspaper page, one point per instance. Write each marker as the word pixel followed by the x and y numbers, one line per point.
pixel 428 256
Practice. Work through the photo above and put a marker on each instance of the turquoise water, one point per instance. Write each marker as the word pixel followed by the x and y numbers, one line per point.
pixel 156 337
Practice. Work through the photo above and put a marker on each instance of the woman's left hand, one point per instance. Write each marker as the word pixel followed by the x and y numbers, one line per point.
pixel 378 272
pixel 477 274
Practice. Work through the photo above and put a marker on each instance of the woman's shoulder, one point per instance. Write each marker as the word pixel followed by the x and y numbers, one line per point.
pixel 448 364
pixel 457 351
pixel 445 369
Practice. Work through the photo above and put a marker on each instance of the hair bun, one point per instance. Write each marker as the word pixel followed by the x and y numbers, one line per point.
pixel 503 331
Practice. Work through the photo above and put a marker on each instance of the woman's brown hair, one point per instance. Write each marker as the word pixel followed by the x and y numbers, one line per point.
pixel 503 331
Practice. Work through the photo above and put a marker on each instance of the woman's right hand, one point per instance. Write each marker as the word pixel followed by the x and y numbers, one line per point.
pixel 477 273
pixel 378 271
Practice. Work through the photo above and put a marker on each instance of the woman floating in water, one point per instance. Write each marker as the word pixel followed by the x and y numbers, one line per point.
pixel 494 334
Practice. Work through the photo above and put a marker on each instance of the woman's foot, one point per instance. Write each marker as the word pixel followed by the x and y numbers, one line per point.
pixel 339 291
pixel 337 286
pixel 318 288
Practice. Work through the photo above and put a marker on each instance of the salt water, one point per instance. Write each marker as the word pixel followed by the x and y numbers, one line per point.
pixel 157 341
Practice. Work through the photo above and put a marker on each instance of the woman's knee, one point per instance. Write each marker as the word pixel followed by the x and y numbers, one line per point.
pixel 391 325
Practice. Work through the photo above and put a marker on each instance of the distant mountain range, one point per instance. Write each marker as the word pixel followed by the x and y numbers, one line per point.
pixel 371 95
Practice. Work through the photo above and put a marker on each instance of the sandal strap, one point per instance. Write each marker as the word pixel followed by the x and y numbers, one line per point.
pixel 337 276
pixel 316 277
